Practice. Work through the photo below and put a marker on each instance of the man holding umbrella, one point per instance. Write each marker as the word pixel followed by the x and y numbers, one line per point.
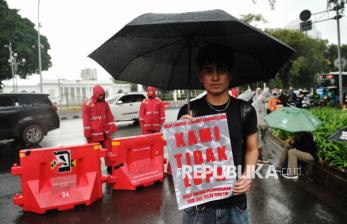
pixel 158 49
pixel 215 63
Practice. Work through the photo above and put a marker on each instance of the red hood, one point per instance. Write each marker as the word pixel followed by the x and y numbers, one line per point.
pixel 97 91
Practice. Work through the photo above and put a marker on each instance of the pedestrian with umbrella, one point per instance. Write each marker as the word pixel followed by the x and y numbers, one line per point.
pixel 160 50
pixel 300 148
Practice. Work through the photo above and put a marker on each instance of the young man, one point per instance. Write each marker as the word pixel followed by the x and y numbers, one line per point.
pixel 215 63
pixel 152 113
pixel 98 121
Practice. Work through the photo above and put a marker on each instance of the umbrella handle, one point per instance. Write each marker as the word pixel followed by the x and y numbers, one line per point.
pixel 189 72
pixel 188 103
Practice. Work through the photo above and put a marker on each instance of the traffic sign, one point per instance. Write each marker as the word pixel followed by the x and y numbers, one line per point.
pixel 337 62
pixel 306 25
pixel 305 15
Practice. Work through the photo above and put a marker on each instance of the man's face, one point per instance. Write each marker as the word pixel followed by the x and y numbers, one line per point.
pixel 215 78
pixel 101 98
pixel 150 93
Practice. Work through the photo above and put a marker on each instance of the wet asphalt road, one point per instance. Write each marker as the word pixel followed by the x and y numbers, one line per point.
pixel 270 201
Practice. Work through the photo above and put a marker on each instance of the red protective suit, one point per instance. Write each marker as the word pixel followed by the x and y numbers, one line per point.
pixel 98 121
pixel 152 113
pixel 234 92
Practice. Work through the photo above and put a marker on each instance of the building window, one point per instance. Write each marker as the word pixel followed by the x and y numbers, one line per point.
pixel 61 93
pixel 78 93
pixel 72 93
pixel 84 93
pixel 51 93
pixel 66 93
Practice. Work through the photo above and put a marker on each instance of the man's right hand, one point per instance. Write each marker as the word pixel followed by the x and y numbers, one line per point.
pixel 186 116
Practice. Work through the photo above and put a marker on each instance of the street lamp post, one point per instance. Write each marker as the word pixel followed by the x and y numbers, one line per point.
pixel 39 44
pixel 14 65
pixel 10 60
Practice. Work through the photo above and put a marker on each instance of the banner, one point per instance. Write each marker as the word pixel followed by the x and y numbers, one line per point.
pixel 200 155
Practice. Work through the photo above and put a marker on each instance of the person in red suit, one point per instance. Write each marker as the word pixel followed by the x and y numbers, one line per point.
pixel 98 121
pixel 152 113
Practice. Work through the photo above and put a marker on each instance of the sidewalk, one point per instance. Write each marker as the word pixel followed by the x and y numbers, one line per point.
pixel 288 201
pixel 69 113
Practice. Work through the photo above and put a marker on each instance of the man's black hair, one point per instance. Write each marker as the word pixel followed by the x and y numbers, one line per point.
pixel 214 53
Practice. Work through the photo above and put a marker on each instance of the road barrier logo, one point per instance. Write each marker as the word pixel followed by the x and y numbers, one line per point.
pixel 63 159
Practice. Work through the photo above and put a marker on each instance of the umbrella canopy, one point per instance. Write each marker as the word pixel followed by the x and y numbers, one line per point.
pixel 340 135
pixel 160 49
pixel 293 119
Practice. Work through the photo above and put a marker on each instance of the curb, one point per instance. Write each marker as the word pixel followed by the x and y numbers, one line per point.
pixel 69 116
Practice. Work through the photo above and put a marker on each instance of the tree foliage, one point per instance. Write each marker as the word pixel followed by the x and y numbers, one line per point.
pixel 272 3
pixel 23 36
pixel 249 18
pixel 308 60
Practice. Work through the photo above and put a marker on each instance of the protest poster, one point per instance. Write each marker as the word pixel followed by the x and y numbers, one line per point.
pixel 199 152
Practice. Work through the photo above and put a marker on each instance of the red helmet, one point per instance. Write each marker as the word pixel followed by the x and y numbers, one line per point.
pixel 150 91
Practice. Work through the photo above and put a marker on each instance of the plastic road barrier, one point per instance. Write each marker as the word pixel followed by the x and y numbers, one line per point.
pixel 137 161
pixel 59 178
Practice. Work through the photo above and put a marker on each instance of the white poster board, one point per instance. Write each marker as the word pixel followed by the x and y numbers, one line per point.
pixel 200 155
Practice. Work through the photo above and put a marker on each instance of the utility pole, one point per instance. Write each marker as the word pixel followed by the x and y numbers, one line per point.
pixel 337 8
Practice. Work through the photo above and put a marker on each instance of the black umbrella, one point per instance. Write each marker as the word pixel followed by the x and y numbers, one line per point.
pixel 340 135
pixel 158 49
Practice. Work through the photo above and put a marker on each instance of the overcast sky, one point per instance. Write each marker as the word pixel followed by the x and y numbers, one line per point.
pixel 75 28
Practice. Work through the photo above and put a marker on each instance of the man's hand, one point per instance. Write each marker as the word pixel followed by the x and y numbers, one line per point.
pixel 289 143
pixel 242 185
pixel 187 116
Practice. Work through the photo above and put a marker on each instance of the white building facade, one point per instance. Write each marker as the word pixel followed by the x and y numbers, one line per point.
pixel 66 92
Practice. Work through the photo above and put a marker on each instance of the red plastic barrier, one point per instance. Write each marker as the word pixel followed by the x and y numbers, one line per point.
pixel 166 104
pixel 59 178
pixel 137 161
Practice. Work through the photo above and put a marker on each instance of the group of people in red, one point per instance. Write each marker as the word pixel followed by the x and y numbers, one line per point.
pixel 98 120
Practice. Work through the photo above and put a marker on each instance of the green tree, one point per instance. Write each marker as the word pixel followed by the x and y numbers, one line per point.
pixel 306 63
pixel 23 36
pixel 272 3
pixel 331 55
pixel 249 18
